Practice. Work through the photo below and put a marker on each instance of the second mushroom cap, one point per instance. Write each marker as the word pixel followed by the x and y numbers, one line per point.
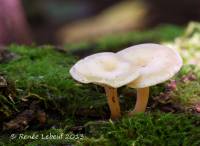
pixel 156 63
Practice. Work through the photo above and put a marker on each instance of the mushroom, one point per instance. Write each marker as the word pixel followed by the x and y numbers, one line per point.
pixel 108 70
pixel 156 64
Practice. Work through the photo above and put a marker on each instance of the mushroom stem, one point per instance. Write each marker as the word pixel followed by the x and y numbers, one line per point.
pixel 141 102
pixel 113 102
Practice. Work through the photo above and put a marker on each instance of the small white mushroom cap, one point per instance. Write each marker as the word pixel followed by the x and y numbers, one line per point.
pixel 156 63
pixel 104 68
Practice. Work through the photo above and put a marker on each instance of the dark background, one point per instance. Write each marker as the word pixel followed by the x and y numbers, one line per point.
pixel 44 18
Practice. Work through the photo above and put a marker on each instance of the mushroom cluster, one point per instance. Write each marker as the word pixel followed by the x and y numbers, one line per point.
pixel 139 66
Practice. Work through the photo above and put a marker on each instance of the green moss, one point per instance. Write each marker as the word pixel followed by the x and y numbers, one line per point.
pixel 43 74
pixel 141 130
pixel 149 129
pixel 188 85
pixel 38 65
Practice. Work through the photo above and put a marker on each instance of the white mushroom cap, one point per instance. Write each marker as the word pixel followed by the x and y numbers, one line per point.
pixel 104 68
pixel 157 63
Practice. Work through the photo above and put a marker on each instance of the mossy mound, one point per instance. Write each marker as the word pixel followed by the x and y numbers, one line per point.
pixel 42 74
pixel 39 96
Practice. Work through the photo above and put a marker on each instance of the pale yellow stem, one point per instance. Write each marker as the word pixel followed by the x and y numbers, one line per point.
pixel 113 102
pixel 142 100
